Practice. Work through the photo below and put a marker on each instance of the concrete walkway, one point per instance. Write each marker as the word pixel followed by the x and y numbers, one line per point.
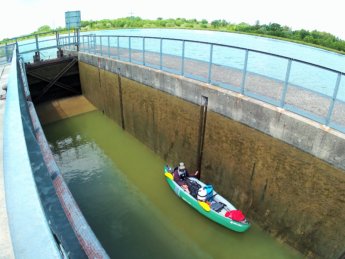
pixel 6 251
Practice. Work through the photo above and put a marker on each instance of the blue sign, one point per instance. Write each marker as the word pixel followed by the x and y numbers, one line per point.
pixel 72 19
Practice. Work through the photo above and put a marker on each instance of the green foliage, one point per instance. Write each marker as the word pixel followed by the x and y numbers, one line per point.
pixel 273 30
pixel 44 28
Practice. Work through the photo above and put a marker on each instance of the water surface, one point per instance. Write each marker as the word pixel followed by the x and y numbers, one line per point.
pixel 119 185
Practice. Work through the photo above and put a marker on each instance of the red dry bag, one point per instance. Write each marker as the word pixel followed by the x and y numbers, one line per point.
pixel 236 215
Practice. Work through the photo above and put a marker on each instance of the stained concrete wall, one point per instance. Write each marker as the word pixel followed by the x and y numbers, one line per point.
pixel 294 195
pixel 165 123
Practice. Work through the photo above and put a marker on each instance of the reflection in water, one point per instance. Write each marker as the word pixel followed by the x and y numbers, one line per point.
pixel 119 185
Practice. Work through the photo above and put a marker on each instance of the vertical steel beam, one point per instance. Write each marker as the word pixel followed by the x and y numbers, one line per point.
pixel 244 71
pixel 183 49
pixel 161 54
pixel 202 130
pixel 118 47
pixel 100 45
pixel 286 84
pixel 95 43
pixel 109 46
pixel 87 43
pixel 334 97
pixel 121 99
pixel 210 65
pixel 144 51
pixel 57 39
pixel 129 49
pixel 37 46
pixel 78 39
pixel 6 53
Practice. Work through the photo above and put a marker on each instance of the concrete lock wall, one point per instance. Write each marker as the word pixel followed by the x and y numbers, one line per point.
pixel 290 193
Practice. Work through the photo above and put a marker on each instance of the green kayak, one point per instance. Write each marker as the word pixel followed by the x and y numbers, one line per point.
pixel 216 208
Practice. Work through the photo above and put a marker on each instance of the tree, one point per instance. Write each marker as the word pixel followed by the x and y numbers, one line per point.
pixel 44 28
pixel 204 21
pixel 215 23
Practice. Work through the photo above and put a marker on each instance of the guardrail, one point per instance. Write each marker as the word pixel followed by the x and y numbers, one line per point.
pixel 42 46
pixel 310 90
pixel 6 53
pixel 307 89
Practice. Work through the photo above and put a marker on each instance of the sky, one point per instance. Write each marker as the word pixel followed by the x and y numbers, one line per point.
pixel 20 17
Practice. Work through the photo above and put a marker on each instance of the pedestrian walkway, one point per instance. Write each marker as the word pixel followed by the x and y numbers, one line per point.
pixel 6 251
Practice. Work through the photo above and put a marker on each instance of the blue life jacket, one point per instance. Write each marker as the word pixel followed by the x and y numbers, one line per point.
pixel 209 189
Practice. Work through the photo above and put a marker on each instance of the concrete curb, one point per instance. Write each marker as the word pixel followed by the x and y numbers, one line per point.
pixel 5 239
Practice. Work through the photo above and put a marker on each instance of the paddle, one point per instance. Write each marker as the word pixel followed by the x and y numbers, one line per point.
pixel 169 175
pixel 204 205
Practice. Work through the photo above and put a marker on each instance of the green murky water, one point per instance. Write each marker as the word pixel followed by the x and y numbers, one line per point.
pixel 119 185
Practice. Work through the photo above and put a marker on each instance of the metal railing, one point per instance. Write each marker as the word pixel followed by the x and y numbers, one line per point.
pixel 6 53
pixel 41 46
pixel 307 89
pixel 310 90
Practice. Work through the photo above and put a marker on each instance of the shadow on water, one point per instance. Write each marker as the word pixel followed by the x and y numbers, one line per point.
pixel 119 185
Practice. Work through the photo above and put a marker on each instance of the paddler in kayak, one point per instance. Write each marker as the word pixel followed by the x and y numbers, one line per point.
pixel 181 175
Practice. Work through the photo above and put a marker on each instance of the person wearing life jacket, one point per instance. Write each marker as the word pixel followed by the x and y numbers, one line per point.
pixel 181 175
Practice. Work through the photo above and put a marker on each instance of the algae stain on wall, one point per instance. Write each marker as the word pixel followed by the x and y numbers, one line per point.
pixel 167 124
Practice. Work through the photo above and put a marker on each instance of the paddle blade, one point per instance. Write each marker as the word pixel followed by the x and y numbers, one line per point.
pixel 169 175
pixel 204 205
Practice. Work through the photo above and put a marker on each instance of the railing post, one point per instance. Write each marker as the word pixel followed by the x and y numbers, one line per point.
pixel 334 97
pixel 210 65
pixel 286 83
pixel 69 38
pixel 182 65
pixel 6 53
pixel 95 43
pixel 244 72
pixel 37 47
pixel 17 47
pixel 77 39
pixel 109 46
pixel 129 50
pixel 161 54
pixel 83 42
pixel 91 43
pixel 144 51
pixel 100 45
pixel 57 39
pixel 118 47
pixel 88 44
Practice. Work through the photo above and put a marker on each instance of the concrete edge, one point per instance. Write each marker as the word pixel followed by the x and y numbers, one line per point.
pixel 28 225
pixel 5 238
